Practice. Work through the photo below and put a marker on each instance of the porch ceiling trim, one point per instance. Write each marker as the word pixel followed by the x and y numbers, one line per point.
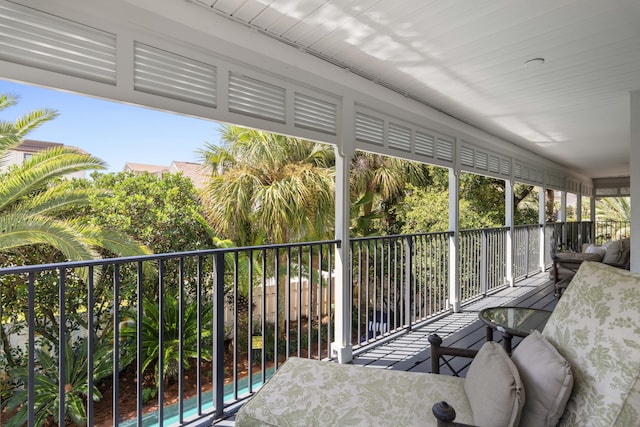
pixel 188 65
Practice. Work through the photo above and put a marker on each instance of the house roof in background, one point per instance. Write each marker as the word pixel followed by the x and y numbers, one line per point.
pixel 35 146
pixel 141 167
pixel 196 172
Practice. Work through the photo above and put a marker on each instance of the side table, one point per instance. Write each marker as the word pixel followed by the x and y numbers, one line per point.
pixel 513 321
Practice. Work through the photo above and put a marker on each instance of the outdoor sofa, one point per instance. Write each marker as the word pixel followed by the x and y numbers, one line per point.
pixel 614 252
pixel 582 370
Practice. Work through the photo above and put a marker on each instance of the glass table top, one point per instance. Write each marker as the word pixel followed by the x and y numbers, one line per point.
pixel 518 321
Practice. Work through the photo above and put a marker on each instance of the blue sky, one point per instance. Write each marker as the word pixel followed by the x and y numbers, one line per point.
pixel 116 133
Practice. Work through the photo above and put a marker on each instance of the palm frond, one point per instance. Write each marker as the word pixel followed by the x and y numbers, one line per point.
pixel 60 199
pixel 18 232
pixel 30 121
pixel 112 241
pixel 37 172
pixel 7 100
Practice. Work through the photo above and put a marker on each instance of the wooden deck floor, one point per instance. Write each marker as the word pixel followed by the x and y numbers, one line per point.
pixel 411 351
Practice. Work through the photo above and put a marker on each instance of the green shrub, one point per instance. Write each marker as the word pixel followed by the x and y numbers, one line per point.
pixel 171 334
pixel 46 385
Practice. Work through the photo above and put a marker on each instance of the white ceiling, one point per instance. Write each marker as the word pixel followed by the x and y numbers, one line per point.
pixel 467 58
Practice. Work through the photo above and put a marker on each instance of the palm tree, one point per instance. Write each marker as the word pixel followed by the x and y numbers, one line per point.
pixel 35 209
pixel 269 187
pixel 616 213
pixel 613 209
pixel 377 183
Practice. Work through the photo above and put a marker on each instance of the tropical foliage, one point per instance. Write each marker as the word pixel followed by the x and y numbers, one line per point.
pixel 613 209
pixel 269 188
pixel 162 212
pixel 173 336
pixel 378 183
pixel 46 384
pixel 481 203
pixel 34 209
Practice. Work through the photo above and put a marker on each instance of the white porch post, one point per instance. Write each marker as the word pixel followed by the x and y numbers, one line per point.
pixel 581 238
pixel 563 217
pixel 579 206
pixel 341 348
pixel 592 208
pixel 634 157
pixel 542 219
pixel 563 206
pixel 508 216
pixel 454 190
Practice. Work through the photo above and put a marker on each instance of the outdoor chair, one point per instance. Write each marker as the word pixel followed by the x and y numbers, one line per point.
pixel 615 253
pixel 582 370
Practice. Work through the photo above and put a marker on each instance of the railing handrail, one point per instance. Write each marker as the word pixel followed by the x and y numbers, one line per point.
pixel 156 257
pixel 400 236
pixel 475 230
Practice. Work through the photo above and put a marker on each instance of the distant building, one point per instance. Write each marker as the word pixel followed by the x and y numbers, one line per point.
pixel 138 168
pixel 31 147
pixel 197 173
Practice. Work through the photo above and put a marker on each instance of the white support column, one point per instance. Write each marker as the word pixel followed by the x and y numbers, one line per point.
pixel 579 206
pixel 563 218
pixel 508 216
pixel 454 197
pixel 542 219
pixel 341 348
pixel 634 156
pixel 581 238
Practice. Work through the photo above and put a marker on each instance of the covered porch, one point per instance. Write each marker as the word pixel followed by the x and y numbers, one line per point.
pixel 407 80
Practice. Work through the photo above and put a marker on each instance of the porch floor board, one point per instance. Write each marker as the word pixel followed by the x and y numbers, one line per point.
pixel 411 351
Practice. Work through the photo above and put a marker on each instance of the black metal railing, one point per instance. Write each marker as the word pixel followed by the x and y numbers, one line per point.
pixel 611 230
pixel 397 281
pixel 526 250
pixel 229 315
pixel 481 262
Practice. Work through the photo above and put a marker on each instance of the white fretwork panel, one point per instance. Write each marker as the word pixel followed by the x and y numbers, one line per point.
pixel 479 160
pixel 527 174
pixel 48 42
pixel 403 139
pixel 166 74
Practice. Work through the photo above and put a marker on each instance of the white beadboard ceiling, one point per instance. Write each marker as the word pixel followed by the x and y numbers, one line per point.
pixel 467 58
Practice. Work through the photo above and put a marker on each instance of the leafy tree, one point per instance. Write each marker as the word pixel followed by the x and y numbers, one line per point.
pixel 481 204
pixel 269 188
pixel 162 212
pixel 38 216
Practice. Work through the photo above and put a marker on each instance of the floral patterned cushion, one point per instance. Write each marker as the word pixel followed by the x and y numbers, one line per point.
pixel 311 393
pixel 596 327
